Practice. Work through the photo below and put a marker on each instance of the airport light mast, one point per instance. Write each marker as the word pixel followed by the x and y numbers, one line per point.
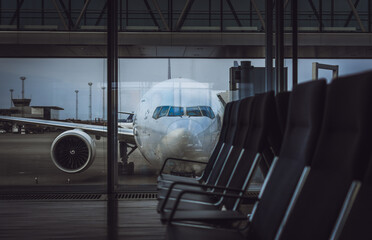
pixel 90 100
pixel 76 112
pixel 103 103
pixel 23 93
pixel 23 86
pixel 11 97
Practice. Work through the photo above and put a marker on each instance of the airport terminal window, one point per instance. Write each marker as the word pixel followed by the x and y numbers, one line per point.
pixel 55 154
pixel 193 111
pixel 176 111
pixel 156 113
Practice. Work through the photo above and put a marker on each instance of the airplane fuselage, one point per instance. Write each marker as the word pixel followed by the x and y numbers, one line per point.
pixel 176 119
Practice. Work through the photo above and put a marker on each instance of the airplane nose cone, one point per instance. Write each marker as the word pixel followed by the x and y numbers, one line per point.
pixel 184 137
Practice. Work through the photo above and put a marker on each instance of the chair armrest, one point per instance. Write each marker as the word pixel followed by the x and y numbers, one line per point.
pixel 175 206
pixel 195 185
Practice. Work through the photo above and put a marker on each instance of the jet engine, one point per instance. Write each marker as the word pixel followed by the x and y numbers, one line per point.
pixel 73 151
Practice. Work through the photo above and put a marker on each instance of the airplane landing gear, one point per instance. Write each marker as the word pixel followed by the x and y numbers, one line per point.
pixel 125 167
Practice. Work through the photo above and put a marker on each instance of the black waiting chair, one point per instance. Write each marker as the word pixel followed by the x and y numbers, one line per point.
pixel 355 218
pixel 340 160
pixel 282 106
pixel 276 131
pixel 302 130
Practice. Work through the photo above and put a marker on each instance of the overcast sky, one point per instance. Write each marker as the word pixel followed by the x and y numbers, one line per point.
pixel 52 82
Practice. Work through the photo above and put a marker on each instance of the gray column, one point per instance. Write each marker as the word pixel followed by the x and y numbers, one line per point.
pixel 112 98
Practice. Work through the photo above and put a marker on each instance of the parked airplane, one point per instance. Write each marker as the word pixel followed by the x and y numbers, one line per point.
pixel 177 118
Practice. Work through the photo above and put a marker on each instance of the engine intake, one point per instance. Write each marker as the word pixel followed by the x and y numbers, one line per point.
pixel 73 151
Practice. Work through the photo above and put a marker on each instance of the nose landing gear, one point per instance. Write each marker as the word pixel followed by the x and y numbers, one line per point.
pixel 125 167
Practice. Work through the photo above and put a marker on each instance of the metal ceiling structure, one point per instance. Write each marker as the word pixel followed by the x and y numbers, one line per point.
pixel 185 28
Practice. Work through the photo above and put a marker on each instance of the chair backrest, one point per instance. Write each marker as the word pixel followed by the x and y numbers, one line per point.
pixel 341 156
pixel 282 106
pixel 358 223
pixel 302 130
pixel 276 126
pixel 253 144
pixel 221 140
pixel 244 121
pixel 275 132
pixel 229 139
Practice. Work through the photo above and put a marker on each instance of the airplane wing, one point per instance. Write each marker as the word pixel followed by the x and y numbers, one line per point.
pixel 130 116
pixel 125 112
pixel 124 134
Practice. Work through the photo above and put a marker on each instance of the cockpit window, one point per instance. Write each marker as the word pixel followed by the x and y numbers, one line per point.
pixel 207 111
pixel 193 112
pixel 175 111
pixel 156 113
pixel 164 111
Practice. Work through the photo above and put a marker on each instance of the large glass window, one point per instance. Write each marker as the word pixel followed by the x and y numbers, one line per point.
pixel 69 95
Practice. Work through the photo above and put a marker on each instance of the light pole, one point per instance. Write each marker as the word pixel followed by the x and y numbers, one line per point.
pixel 103 103
pixel 23 86
pixel 90 100
pixel 11 97
pixel 23 94
pixel 76 113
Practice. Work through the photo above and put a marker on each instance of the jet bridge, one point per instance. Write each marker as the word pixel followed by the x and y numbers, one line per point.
pixel 247 80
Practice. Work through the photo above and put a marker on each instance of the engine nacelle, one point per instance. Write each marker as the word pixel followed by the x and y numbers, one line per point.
pixel 73 151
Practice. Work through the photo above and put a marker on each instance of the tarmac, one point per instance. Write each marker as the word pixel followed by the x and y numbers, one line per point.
pixel 25 161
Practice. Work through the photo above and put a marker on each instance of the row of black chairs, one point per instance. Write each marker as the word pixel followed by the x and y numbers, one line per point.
pixel 319 186
pixel 245 136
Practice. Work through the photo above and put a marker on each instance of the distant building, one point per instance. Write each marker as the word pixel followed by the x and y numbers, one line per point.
pixel 22 108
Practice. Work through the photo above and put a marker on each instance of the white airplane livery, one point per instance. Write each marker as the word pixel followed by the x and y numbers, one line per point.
pixel 177 118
